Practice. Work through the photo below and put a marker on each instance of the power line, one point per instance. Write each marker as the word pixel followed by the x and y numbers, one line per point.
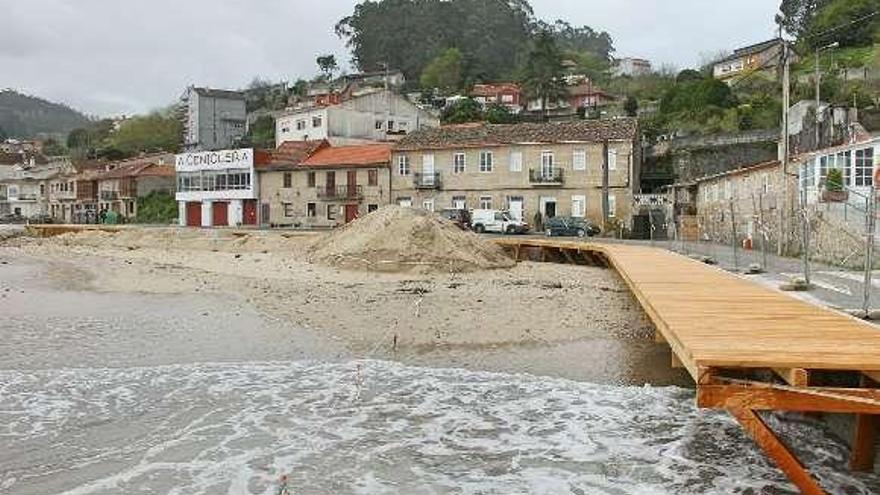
pixel 848 24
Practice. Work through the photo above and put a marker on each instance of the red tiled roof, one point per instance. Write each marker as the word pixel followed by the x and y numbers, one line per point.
pixel 148 169
pixel 289 154
pixel 492 89
pixel 360 155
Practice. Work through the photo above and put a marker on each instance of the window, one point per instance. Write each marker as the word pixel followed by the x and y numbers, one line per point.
pixel 317 121
pixel 288 209
pixel 372 177
pixel 506 98
pixel 405 202
pixel 459 202
pixel 578 206
pixel 300 125
pixel 612 159
pixel 612 205
pixel 285 130
pixel 311 179
pixel 311 210
pixel 458 163
pixel 428 204
pixel 485 202
pixel 288 181
pixel 485 161
pixel 403 165
pixel 547 163
pixel 864 167
pixel 843 162
pixel 516 161
pixel 372 208
pixel 379 125
pixel 331 212
pixel 390 126
pixel 579 160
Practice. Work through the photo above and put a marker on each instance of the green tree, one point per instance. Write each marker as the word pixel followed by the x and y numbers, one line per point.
pixel 542 73
pixel 579 39
pixel 463 111
pixel 631 106
pixel 847 22
pixel 444 72
pixel 327 64
pixel 798 15
pixel 261 133
pixel 408 34
pixel 300 87
pixel 158 131
pixel 499 114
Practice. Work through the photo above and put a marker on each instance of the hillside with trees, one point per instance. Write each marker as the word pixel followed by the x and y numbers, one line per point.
pixel 23 116
pixel 478 40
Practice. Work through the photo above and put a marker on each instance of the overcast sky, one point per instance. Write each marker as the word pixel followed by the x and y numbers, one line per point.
pixel 110 57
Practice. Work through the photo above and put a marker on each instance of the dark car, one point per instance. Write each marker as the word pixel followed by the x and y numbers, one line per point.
pixel 461 217
pixel 12 218
pixel 570 226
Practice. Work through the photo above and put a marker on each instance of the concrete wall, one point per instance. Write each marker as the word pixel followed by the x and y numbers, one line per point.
pixel 218 122
pixel 300 194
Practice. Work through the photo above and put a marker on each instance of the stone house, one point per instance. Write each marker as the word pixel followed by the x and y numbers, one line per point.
pixel 376 116
pixel 749 195
pixel 317 185
pixel 529 169
pixel 764 57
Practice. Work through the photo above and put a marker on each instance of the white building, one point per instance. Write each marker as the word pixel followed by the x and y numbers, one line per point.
pixel 215 119
pixel 378 116
pixel 858 161
pixel 216 188
pixel 632 67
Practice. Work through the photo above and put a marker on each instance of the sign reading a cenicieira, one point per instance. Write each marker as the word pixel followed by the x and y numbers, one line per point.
pixel 212 160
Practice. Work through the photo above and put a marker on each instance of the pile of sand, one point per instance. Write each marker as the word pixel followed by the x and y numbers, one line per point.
pixel 395 239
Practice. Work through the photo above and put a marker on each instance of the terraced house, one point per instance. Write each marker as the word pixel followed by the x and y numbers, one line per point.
pixel 587 168
pixel 324 186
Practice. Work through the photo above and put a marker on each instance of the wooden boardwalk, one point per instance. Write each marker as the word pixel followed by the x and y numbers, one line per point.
pixel 749 348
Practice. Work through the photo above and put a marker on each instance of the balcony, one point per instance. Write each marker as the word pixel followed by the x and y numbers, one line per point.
pixel 546 178
pixel 25 197
pixel 345 193
pixel 109 195
pixel 426 181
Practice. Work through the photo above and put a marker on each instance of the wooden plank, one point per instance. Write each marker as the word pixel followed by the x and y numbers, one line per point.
pixel 676 363
pixel 873 375
pixel 796 377
pixel 565 252
pixel 659 338
pixel 864 443
pixel 836 400
pixel 777 451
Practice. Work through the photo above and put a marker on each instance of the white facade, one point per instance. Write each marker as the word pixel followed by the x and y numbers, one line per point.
pixel 378 116
pixel 858 162
pixel 213 177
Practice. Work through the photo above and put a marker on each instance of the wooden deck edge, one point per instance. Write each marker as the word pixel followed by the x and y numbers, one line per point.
pixel 796 377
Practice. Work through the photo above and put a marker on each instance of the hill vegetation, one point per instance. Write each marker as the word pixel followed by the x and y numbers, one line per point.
pixel 23 116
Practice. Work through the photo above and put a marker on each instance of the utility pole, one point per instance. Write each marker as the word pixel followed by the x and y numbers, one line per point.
pixel 783 151
pixel 605 186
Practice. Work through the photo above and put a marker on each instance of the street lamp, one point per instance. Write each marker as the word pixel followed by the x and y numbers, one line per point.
pixel 818 84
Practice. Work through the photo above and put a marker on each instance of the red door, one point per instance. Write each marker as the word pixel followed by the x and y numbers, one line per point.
pixel 250 212
pixel 351 212
pixel 194 214
pixel 220 214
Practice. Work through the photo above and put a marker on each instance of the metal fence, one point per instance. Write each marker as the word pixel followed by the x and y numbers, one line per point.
pixel 749 232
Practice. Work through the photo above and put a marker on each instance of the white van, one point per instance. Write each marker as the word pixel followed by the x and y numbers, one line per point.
pixel 497 221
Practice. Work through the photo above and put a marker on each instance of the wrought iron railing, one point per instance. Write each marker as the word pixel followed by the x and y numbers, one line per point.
pixel 429 180
pixel 546 177
pixel 347 192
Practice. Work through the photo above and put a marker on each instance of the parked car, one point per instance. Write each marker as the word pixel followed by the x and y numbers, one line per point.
pixel 570 226
pixel 459 216
pixel 12 218
pixel 41 219
pixel 497 221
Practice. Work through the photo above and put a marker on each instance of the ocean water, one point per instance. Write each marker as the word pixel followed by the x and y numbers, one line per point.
pixel 375 427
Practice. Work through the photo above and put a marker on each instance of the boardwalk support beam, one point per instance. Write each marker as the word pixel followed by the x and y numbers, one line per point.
pixel 777 450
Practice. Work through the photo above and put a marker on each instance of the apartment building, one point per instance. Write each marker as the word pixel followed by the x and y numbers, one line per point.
pixel 214 118
pixel 325 186
pixel 377 116
pixel 535 171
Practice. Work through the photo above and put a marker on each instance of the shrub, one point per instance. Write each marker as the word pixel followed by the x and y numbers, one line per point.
pixel 834 180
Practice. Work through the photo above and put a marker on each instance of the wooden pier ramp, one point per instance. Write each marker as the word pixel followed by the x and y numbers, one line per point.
pixel 749 348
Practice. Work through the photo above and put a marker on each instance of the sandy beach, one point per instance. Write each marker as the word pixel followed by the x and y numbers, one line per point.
pixel 528 317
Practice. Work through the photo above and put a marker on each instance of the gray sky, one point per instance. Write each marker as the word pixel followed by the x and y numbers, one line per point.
pixel 109 57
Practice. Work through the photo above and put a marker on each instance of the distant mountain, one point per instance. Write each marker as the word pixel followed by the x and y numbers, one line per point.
pixel 23 116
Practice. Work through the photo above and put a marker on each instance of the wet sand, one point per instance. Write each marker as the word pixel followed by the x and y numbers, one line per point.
pixel 208 299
